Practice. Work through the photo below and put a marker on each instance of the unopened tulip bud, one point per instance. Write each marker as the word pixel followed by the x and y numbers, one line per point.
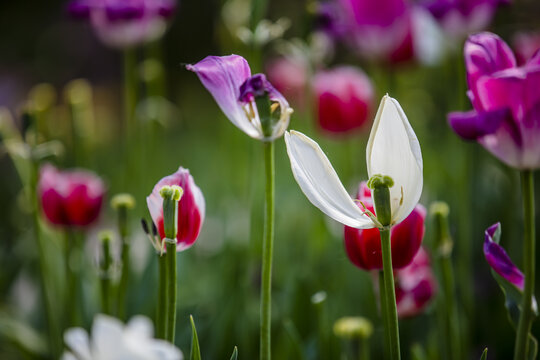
pixel 353 328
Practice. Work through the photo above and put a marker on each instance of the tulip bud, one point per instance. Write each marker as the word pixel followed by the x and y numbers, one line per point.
pixel 353 328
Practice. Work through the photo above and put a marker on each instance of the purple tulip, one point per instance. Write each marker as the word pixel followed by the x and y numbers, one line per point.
pixel 506 102
pixel 460 18
pixel 229 81
pixel 499 260
pixel 124 23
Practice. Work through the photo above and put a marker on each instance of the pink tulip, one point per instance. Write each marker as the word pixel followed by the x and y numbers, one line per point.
pixel 191 208
pixel 363 246
pixel 415 285
pixel 70 198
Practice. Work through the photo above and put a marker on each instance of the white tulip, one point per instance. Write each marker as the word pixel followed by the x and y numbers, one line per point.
pixel 393 150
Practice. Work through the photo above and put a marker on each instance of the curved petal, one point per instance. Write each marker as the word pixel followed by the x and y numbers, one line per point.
pixel 222 76
pixel 393 150
pixel 472 125
pixel 320 183
pixel 499 260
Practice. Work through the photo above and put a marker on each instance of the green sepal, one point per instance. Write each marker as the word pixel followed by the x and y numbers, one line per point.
pixel 195 349
pixel 484 354
pixel 234 355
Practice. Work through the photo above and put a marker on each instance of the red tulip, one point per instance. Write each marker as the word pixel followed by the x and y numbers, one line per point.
pixel 70 198
pixel 191 208
pixel 344 99
pixel 415 285
pixel 363 246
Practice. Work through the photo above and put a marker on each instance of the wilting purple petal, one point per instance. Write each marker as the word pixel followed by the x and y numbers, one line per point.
pixel 223 76
pixel 472 125
pixel 499 260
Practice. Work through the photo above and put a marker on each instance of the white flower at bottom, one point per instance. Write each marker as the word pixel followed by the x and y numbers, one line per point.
pixel 111 340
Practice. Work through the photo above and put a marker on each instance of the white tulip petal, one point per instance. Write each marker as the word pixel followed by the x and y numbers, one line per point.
pixel 320 183
pixel 78 342
pixel 393 149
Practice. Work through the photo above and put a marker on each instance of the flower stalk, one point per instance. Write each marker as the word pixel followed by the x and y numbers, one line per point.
pixel 106 264
pixel 268 248
pixel 526 316
pixel 171 196
pixel 444 244
pixel 122 203
pixel 381 197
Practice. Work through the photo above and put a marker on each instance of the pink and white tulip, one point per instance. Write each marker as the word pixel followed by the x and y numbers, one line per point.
pixel 191 208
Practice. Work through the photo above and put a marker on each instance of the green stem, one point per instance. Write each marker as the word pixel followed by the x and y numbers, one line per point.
pixel 105 277
pixel 363 352
pixel 268 244
pixel 52 321
pixel 162 299
pixel 526 315
pixel 170 258
pixel 444 244
pixel 124 277
pixel 384 315
pixel 388 275
pixel 72 296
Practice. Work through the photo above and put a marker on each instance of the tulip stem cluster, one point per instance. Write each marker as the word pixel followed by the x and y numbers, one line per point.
pixel 268 248
pixel 526 316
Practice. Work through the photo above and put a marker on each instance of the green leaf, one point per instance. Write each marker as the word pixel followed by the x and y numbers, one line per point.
pixel 513 298
pixel 195 349
pixel 484 355
pixel 234 355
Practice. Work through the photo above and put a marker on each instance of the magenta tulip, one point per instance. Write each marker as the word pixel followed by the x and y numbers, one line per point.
pixel 415 285
pixel 70 198
pixel 344 99
pixel 506 115
pixel 125 23
pixel 191 208
pixel 363 246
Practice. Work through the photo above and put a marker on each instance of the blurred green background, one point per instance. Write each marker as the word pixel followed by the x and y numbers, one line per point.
pixel 219 277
